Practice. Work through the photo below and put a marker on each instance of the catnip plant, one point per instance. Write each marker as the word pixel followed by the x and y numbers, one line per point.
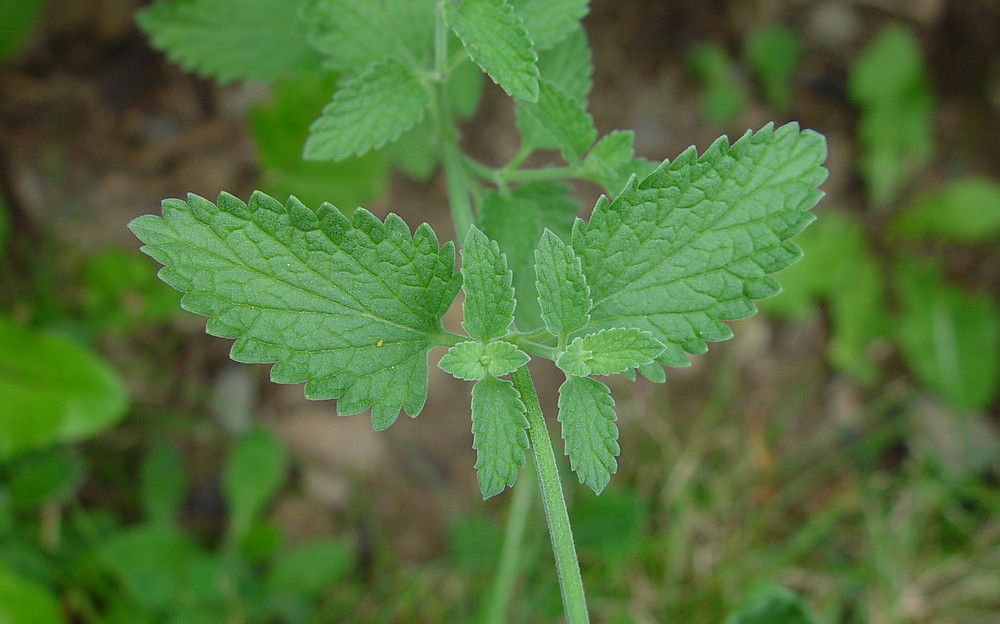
pixel 351 305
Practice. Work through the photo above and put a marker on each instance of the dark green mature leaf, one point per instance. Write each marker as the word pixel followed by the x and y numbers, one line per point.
pixel 368 112
pixel 549 22
pixel 52 390
pixel 353 34
pixel 516 222
pixel 499 434
pixel 563 295
pixel 489 296
pixel 231 39
pixel 693 243
pixel 496 40
pixel 351 308
pixel 256 468
pixel 588 426
pixel 950 338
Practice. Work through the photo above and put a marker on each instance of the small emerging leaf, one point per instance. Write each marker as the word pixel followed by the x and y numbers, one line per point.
pixel 472 360
pixel 499 434
pixel 489 296
pixel 563 294
pixel 496 40
pixel 609 351
pixel 368 112
pixel 588 426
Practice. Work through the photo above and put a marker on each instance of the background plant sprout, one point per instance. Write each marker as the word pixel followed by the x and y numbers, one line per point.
pixel 351 305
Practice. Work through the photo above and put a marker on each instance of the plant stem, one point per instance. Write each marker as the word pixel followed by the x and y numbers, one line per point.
pixel 495 611
pixel 554 503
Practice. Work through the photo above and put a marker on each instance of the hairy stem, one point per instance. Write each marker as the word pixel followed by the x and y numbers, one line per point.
pixel 554 503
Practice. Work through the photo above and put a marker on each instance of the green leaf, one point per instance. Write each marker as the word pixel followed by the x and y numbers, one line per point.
pixel 563 119
pixel 499 434
pixel 164 483
pixel 773 54
pixel 693 243
pixel 25 602
pixel 609 527
pixel 549 22
pixel 516 222
pixel 773 605
pixel 563 295
pixel 609 351
pixel 496 40
pixel 569 65
pixel 966 210
pixel 948 337
pixel 152 562
pixel 889 83
pixel 281 127
pixel 489 297
pixel 50 476
pixel 353 34
pixel 349 307
pixel 472 360
pixel 368 112
pixel 52 390
pixel 256 469
pixel 310 569
pixel 611 161
pixel 588 426
pixel 723 93
pixel 230 39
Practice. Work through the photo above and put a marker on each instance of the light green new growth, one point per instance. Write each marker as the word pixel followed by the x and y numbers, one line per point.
pixel 489 298
pixel 495 38
pixel 563 294
pixel 351 308
pixel 368 112
pixel 472 361
pixel 690 246
pixel 609 351
pixel 588 427
pixel 499 436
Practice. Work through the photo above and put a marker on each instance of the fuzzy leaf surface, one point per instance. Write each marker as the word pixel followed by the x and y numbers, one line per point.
pixel 516 222
pixel 563 120
pixel 350 307
pixel 609 351
pixel 549 22
pixel 694 242
pixel 588 427
pixel 230 39
pixel 499 434
pixel 489 296
pixel 472 360
pixel 368 112
pixel 563 295
pixel 353 34
pixel 496 40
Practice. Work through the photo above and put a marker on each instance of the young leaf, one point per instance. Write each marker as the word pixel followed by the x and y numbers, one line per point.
pixel 489 297
pixel 368 112
pixel 499 434
pixel 516 222
pixel 472 360
pixel 353 34
pixel 965 210
pixel 564 120
pixel 549 22
pixel 230 39
pixel 563 295
pixel 609 351
pixel 693 243
pixel 588 426
pixel 349 307
pixel 497 41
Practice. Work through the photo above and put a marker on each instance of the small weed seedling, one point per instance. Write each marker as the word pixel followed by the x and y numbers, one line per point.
pixel 351 305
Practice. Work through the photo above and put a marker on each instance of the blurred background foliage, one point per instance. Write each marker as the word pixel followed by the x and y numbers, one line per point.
pixel 836 463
